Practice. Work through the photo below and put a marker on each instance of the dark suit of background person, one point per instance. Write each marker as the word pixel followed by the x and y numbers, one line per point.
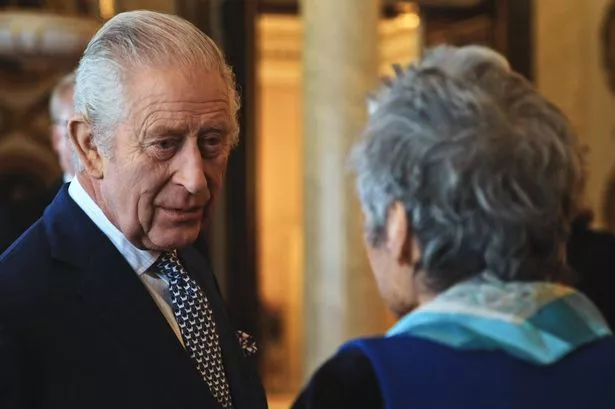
pixel 591 254
pixel 16 217
pixel 88 317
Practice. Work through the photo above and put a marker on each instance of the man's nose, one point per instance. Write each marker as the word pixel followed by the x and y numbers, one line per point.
pixel 191 173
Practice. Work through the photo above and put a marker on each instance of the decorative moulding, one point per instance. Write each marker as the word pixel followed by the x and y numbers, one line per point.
pixel 24 33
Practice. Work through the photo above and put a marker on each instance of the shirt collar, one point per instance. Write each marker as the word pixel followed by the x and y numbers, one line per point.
pixel 139 260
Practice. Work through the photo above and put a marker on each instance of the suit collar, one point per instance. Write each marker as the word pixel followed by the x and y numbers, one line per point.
pixel 139 260
pixel 238 368
pixel 75 223
pixel 72 235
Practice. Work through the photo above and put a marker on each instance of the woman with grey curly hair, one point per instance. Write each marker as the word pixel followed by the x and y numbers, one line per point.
pixel 469 180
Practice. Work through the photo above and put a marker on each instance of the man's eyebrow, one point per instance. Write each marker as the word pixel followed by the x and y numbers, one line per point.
pixel 185 129
pixel 161 130
pixel 212 127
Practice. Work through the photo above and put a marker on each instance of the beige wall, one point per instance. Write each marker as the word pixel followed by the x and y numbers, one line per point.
pixel 568 70
pixel 280 191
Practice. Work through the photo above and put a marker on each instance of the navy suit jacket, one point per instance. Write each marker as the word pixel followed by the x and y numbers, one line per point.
pixel 78 329
pixel 16 217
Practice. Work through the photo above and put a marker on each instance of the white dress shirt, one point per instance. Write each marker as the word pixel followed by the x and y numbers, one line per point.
pixel 139 260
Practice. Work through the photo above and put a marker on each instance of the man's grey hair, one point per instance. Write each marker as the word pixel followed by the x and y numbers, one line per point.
pixel 133 41
pixel 489 171
pixel 59 96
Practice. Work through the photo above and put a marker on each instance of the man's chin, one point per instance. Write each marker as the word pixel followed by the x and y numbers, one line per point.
pixel 172 241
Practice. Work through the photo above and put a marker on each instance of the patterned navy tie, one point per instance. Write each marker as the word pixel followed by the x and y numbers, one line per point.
pixel 198 328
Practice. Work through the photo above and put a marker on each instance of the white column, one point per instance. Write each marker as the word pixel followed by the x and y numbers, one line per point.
pixel 340 66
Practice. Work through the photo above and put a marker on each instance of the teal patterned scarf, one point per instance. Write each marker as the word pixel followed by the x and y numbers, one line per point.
pixel 538 322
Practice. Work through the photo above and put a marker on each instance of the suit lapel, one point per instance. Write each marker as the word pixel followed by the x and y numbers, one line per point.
pixel 242 376
pixel 119 299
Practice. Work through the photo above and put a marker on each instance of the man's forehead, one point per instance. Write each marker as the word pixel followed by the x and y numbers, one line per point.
pixel 182 117
pixel 173 100
pixel 191 98
pixel 152 77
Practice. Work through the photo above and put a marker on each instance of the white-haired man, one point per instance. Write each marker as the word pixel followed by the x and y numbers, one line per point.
pixel 117 310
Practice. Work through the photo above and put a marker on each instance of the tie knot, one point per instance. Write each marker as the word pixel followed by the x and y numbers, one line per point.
pixel 168 264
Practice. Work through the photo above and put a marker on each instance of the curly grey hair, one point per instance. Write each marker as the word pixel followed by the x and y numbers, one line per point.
pixel 125 44
pixel 488 170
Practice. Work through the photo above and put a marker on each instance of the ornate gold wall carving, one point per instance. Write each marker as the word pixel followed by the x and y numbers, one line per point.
pixel 36 49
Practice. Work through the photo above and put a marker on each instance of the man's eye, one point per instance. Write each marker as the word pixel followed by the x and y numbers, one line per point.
pixel 165 144
pixel 164 148
pixel 212 145
pixel 213 142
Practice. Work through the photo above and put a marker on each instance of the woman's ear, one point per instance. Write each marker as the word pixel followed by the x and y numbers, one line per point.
pixel 80 134
pixel 399 235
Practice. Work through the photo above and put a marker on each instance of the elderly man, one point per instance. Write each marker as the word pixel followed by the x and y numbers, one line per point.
pixel 16 217
pixel 103 303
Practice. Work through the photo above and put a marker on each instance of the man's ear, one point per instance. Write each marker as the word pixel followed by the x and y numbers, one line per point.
pixel 80 134
pixel 399 234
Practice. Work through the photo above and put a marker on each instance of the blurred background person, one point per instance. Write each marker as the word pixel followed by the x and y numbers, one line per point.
pixel 16 217
pixel 469 180
pixel 61 109
pixel 591 254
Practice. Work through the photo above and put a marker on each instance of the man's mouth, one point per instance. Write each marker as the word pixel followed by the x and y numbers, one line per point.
pixel 184 214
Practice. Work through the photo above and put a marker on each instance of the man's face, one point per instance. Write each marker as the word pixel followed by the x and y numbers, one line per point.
pixel 59 136
pixel 168 159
